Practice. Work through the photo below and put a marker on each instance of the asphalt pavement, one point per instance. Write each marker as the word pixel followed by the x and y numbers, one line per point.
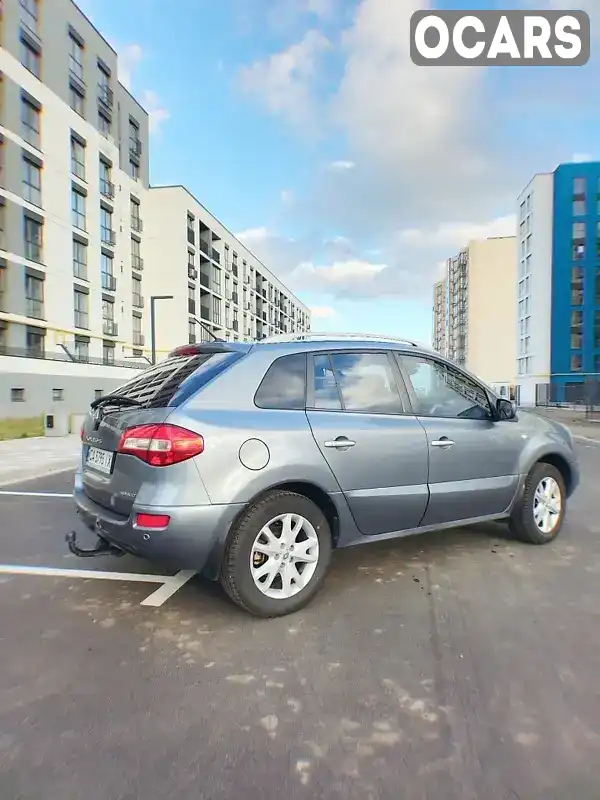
pixel 454 666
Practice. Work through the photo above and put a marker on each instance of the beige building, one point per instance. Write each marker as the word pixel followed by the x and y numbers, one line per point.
pixel 478 313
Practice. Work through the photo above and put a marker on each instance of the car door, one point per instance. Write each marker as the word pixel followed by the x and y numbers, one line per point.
pixel 473 459
pixel 359 415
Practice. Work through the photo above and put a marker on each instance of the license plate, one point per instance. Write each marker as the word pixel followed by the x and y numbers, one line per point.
pixel 100 460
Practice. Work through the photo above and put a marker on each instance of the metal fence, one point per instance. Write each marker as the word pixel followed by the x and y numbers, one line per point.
pixel 46 355
pixel 582 395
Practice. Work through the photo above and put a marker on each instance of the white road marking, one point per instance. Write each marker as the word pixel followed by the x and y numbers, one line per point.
pixel 170 583
pixel 35 494
pixel 169 587
pixel 586 439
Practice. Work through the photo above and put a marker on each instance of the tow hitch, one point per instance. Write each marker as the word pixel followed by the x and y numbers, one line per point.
pixel 102 547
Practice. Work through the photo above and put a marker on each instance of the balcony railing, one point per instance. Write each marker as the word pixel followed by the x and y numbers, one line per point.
pixel 35 308
pixel 192 273
pixel 77 79
pixel 106 96
pixel 109 282
pixel 110 327
pixel 135 147
pixel 138 339
pixel 137 301
pixel 108 236
pixel 205 246
pixel 107 189
pixel 137 262
pixel 216 256
pixel 136 224
pixel 36 352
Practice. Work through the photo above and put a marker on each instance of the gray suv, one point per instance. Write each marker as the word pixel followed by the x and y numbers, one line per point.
pixel 251 462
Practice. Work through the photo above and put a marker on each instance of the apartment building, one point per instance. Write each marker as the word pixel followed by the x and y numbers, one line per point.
pixel 559 283
pixel 439 316
pixel 214 285
pixel 73 190
pixel 475 310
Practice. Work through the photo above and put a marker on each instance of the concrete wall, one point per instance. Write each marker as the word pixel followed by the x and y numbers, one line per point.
pixel 79 383
pixel 492 309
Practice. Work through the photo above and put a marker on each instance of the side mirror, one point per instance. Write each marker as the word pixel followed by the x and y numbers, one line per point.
pixel 507 409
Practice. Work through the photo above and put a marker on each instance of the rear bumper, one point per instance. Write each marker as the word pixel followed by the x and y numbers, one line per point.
pixel 193 540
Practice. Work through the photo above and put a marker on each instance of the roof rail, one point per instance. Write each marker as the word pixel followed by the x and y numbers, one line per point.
pixel 327 335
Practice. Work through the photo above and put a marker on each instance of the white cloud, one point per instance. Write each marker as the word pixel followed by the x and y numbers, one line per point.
pixel 457 235
pixel 341 166
pixel 323 312
pixel 253 235
pixel 157 113
pixel 129 59
pixel 283 81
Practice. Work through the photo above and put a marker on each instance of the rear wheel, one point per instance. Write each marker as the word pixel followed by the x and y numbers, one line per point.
pixel 539 516
pixel 277 555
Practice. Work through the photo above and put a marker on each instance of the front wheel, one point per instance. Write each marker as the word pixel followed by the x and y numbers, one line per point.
pixel 277 555
pixel 539 516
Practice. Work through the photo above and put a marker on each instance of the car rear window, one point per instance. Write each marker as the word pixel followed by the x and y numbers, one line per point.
pixel 175 379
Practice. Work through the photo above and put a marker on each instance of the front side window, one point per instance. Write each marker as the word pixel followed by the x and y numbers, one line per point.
pixel 359 382
pixel 284 384
pixel 442 391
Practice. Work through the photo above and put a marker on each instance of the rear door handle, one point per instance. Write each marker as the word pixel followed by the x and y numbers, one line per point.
pixel 341 443
pixel 443 442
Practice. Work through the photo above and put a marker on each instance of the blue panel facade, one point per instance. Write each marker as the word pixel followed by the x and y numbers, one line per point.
pixel 575 351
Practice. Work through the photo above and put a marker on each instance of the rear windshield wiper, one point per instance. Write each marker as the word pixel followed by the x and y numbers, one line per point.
pixel 114 400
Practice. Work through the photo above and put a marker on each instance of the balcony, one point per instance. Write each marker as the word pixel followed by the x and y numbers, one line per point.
pixel 110 327
pixel 137 262
pixel 205 246
pixel 107 236
pixel 204 313
pixel 136 224
pixel 106 96
pixel 137 301
pixel 138 339
pixel 135 147
pixel 191 306
pixel 216 256
pixel 109 282
pixel 34 308
pixel 192 273
pixel 107 189
pixel 204 280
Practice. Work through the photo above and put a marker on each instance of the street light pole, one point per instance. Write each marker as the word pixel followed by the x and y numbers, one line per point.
pixel 153 300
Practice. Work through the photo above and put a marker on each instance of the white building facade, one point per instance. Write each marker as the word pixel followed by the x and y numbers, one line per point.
pixel 534 288
pixel 218 287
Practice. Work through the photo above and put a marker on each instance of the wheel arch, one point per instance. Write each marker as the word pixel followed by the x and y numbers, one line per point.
pixel 561 464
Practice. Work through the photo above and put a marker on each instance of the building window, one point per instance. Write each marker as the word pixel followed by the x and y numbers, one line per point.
pixel 134 170
pixel 32 182
pixel 108 280
pixel 108 352
pixel 104 124
pixel 577 286
pixel 17 395
pixel 77 158
pixel 136 258
pixel 136 221
pixel 107 188
pixel 35 343
pixel 136 288
pixel 576 362
pixel 77 209
pixel 30 58
pixel 33 236
pixel 216 308
pixel 34 296
pixel 80 260
pixel 191 331
pixel 579 186
pixel 58 395
pixel 578 240
pixel 30 123
pixel 81 349
pixel 107 234
pixel 75 57
pixel 578 208
pixel 76 100
pixel 81 308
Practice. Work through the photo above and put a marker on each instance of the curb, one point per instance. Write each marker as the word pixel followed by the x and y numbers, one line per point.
pixel 56 470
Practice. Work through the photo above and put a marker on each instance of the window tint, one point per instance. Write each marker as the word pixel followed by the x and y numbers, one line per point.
pixel 284 384
pixel 442 391
pixel 327 396
pixel 364 381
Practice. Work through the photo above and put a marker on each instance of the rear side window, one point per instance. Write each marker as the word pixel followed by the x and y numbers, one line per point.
pixel 357 382
pixel 175 379
pixel 284 384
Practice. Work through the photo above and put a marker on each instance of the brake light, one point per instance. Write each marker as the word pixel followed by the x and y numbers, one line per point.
pixel 152 520
pixel 160 445
pixel 185 350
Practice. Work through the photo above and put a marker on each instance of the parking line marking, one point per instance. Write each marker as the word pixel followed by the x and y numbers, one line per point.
pixel 34 494
pixel 169 587
pixel 54 572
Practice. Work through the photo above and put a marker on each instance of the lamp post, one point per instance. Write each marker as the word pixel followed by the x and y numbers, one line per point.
pixel 153 300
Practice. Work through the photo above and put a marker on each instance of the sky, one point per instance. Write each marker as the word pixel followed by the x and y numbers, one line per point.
pixel 306 129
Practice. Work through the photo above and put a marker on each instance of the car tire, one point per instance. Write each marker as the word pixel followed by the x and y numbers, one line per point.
pixel 239 570
pixel 525 522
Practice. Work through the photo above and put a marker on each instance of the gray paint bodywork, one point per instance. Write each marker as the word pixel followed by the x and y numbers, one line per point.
pixel 392 483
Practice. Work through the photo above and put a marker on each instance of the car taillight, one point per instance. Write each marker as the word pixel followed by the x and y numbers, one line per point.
pixel 160 445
